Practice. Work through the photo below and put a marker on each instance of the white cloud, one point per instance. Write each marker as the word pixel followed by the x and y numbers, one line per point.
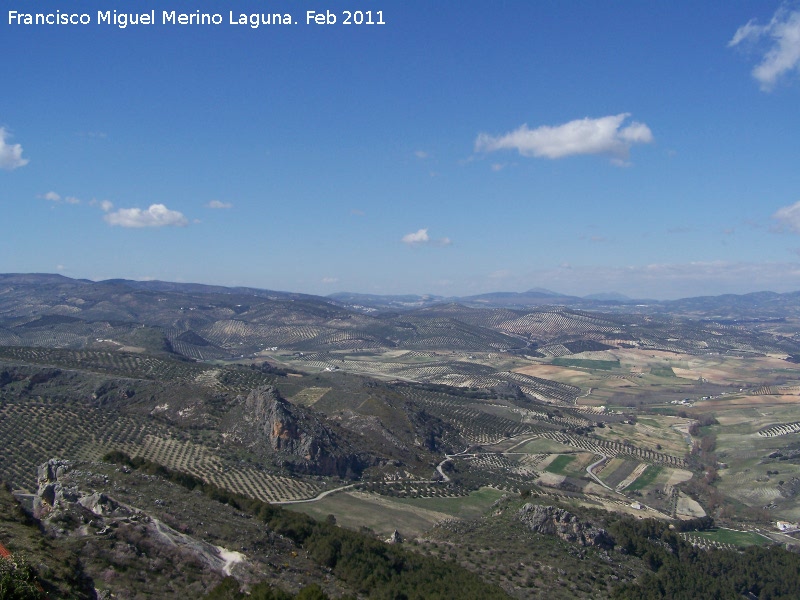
pixel 52 196
pixel 157 215
pixel 582 136
pixel 788 217
pixel 421 154
pixel 219 204
pixel 10 154
pixel 330 279
pixel 421 238
pixel 72 200
pixel 783 55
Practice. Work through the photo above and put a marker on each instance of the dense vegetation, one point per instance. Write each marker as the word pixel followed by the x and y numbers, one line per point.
pixel 35 564
pixel 679 570
pixel 229 589
pixel 18 580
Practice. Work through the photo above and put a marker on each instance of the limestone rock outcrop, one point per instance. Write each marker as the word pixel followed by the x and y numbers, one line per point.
pixel 551 520
pixel 298 438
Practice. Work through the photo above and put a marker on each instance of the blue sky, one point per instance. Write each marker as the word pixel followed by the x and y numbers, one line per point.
pixel 463 147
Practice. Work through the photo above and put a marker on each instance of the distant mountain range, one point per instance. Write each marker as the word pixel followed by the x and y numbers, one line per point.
pixel 533 297
pixel 758 305
pixel 208 322
pixel 727 306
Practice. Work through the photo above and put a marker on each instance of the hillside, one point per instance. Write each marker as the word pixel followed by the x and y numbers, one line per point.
pixel 434 424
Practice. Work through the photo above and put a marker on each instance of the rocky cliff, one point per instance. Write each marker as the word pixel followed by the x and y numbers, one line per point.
pixel 551 520
pixel 298 438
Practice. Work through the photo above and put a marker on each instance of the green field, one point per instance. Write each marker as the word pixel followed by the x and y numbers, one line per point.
pixel 662 372
pixel 559 464
pixel 645 479
pixel 736 538
pixel 602 365
pixel 463 507
pixel 410 516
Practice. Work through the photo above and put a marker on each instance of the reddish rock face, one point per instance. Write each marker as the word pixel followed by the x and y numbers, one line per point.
pixel 300 436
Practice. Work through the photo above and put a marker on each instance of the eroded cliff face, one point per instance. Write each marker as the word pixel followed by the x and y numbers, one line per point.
pixel 551 520
pixel 300 439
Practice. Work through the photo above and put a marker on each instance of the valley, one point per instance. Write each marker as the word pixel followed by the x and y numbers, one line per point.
pixel 422 421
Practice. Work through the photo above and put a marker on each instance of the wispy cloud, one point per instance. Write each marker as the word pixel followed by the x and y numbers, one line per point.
pixel 10 154
pixel 56 197
pixel 604 135
pixel 783 54
pixel 788 217
pixel 157 215
pixel 421 238
pixel 330 280
pixel 105 205
pixel 219 204
pixel 421 154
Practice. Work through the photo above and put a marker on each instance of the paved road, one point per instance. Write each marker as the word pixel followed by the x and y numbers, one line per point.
pixel 445 478
pixel 590 471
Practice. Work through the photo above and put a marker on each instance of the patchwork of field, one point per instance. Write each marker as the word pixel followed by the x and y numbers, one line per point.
pixel 630 377
pixel 559 461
